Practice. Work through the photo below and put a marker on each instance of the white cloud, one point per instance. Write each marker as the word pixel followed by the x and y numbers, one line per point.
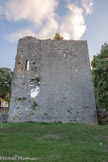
pixel 73 24
pixel 88 6
pixel 17 35
pixel 40 12
pixel 44 19
pixel 49 29
pixel 33 10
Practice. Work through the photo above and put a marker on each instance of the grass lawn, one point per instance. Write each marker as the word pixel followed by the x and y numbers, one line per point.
pixel 54 142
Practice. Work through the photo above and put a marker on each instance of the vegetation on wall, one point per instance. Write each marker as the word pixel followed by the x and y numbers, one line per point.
pixel 58 36
pixel 20 99
pixel 5 83
pixel 34 105
pixel 100 77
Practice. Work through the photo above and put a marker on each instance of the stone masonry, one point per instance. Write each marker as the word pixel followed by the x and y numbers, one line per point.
pixel 52 82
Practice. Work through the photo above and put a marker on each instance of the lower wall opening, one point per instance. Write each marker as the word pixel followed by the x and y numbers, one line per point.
pixel 34 87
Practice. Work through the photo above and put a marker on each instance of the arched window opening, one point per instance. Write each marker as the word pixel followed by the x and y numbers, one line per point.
pixel 27 65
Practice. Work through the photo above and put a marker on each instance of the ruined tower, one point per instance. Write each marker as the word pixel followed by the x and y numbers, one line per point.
pixel 52 82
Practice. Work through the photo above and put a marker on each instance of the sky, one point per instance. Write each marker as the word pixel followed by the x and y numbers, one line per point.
pixel 74 19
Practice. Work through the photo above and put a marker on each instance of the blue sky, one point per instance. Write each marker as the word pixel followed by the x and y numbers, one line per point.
pixel 74 19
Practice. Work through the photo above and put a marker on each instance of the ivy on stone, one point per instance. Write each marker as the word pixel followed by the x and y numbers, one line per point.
pixel 100 77
pixel 5 83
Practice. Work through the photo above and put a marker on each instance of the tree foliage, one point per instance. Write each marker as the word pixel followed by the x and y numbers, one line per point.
pixel 5 83
pixel 58 36
pixel 100 77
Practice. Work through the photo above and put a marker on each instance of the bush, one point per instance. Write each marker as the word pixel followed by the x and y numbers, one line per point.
pixel 100 77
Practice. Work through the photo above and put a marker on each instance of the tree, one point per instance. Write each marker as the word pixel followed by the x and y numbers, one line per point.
pixel 58 36
pixel 100 77
pixel 5 83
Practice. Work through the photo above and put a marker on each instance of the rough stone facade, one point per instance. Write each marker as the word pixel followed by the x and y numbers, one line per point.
pixel 4 114
pixel 59 72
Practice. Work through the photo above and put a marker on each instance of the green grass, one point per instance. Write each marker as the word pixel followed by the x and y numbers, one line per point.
pixel 55 142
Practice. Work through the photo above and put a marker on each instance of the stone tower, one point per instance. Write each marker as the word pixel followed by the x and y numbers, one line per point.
pixel 52 82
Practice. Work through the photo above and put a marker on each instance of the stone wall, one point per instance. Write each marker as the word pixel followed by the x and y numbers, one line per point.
pixel 59 71
pixel 4 114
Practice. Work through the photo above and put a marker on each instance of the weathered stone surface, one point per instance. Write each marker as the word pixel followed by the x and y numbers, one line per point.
pixel 63 72
pixel 3 114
